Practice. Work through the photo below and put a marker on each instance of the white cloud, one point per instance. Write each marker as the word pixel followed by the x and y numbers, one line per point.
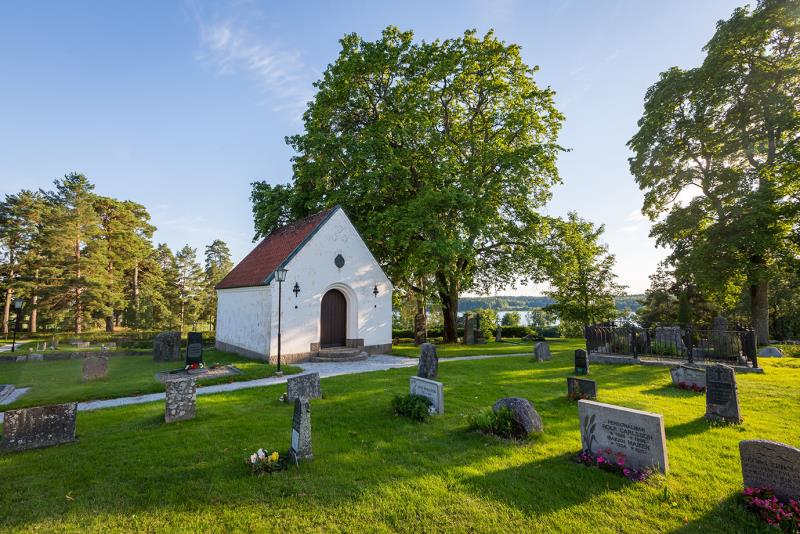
pixel 233 47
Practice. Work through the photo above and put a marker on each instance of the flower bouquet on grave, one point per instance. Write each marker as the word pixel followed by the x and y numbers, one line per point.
pixel 617 465
pixel 260 462
pixel 692 387
pixel 782 515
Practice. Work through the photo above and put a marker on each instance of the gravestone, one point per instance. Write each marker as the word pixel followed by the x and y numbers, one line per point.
pixel 167 347
pixel 305 386
pixel 668 337
pixel 499 336
pixel 301 431
pixel 420 329
pixel 722 398
pixel 636 434
pixel 95 367
pixel 689 375
pixel 542 351
pixel 524 414
pixel 771 464
pixel 194 349
pixel 428 361
pixel 581 388
pixel 430 389
pixel 478 332
pixel 469 329
pixel 42 426
pixel 581 362
pixel 181 399
pixel 719 324
pixel 770 352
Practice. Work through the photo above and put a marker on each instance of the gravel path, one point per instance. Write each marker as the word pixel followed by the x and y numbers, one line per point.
pixel 379 362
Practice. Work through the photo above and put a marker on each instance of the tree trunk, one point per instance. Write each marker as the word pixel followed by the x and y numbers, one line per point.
pixel 449 311
pixel 110 323
pixel 34 313
pixel 7 310
pixel 78 303
pixel 136 296
pixel 759 311
pixel 420 323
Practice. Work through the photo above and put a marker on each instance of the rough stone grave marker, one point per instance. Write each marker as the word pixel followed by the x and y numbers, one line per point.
pixel 581 362
pixel 689 375
pixel 722 397
pixel 194 349
pixel 167 347
pixel 305 386
pixel 581 388
pixel 301 431
pixel 95 367
pixel 772 464
pixel 42 426
pixel 469 329
pixel 636 434
pixel 542 352
pixel 523 413
pixel 428 361
pixel 430 389
pixel 181 399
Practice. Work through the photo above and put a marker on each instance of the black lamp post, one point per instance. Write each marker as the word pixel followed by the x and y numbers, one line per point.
pixel 18 305
pixel 280 276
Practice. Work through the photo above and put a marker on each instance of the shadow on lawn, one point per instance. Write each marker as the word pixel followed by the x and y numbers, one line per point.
pixel 689 428
pixel 728 516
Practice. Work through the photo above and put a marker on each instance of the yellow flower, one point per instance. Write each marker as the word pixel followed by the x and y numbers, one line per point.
pixel 274 456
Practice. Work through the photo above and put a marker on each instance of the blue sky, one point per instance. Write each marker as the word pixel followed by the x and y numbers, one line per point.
pixel 180 105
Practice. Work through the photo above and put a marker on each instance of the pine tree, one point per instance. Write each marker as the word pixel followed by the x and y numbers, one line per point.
pixel 218 264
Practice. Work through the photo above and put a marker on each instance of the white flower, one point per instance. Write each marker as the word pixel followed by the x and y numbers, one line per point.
pixel 253 458
pixel 261 454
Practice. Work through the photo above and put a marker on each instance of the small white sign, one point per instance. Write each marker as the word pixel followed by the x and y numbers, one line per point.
pixel 430 389
pixel 295 440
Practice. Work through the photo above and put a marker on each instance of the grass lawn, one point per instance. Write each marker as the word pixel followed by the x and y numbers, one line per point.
pixel 57 381
pixel 512 346
pixel 374 472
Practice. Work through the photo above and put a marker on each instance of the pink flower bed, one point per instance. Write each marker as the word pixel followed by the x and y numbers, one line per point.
pixel 691 387
pixel 782 515
pixel 617 465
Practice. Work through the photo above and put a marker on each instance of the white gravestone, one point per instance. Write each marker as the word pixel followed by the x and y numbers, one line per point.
pixel 430 389
pixel 636 434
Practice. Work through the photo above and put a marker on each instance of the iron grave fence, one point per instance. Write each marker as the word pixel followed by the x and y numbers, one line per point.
pixel 735 347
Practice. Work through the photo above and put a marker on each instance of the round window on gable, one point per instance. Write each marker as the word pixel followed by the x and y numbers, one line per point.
pixel 339 261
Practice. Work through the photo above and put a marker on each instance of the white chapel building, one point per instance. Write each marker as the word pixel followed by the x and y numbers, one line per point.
pixel 336 300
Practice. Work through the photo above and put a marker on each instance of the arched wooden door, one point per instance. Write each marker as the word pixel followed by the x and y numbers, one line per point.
pixel 333 320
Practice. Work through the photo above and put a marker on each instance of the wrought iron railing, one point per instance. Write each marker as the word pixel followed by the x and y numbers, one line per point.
pixel 737 347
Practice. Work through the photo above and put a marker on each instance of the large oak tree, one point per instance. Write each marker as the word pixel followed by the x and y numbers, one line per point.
pixel 440 152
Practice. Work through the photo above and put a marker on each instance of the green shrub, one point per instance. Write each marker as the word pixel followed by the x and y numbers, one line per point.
pixel 415 407
pixel 500 423
pixel 516 331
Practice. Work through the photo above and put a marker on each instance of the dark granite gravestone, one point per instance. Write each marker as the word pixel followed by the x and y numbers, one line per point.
pixel 167 347
pixel 301 431
pixel 524 414
pixel 428 361
pixel 469 329
pixel 194 349
pixel 181 399
pixel 581 388
pixel 95 367
pixel 581 362
pixel 722 398
pixel 430 389
pixel 542 352
pixel 771 464
pixel 305 386
pixel 42 426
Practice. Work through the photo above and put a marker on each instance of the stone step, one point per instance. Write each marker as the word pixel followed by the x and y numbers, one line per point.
pixel 340 354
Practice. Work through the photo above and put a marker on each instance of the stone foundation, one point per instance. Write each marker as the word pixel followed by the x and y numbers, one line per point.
pixel 298 357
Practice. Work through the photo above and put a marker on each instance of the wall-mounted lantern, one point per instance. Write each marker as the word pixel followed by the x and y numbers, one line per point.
pixel 296 289
pixel 375 290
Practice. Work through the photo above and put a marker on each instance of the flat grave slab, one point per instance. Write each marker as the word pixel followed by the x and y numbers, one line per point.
pixel 199 374
pixel 430 389
pixel 637 434
pixel 39 427
pixel 581 388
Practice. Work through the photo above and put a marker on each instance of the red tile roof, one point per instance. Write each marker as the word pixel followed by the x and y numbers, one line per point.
pixel 273 251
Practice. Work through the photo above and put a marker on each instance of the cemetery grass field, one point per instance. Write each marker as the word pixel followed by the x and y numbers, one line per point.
pixel 375 472
pixel 57 381
pixel 507 346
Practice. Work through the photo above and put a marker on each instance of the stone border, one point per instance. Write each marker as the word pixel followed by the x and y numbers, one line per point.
pixel 595 357
pixel 297 357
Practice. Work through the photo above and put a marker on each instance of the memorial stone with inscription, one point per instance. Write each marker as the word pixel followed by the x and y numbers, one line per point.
pixel 430 389
pixel 181 399
pixel 305 386
pixel 167 346
pixel 428 361
pixel 542 352
pixel 194 349
pixel 581 388
pixel 689 375
pixel 301 431
pixel 581 362
pixel 771 464
pixel 636 434
pixel 95 367
pixel 42 426
pixel 722 397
